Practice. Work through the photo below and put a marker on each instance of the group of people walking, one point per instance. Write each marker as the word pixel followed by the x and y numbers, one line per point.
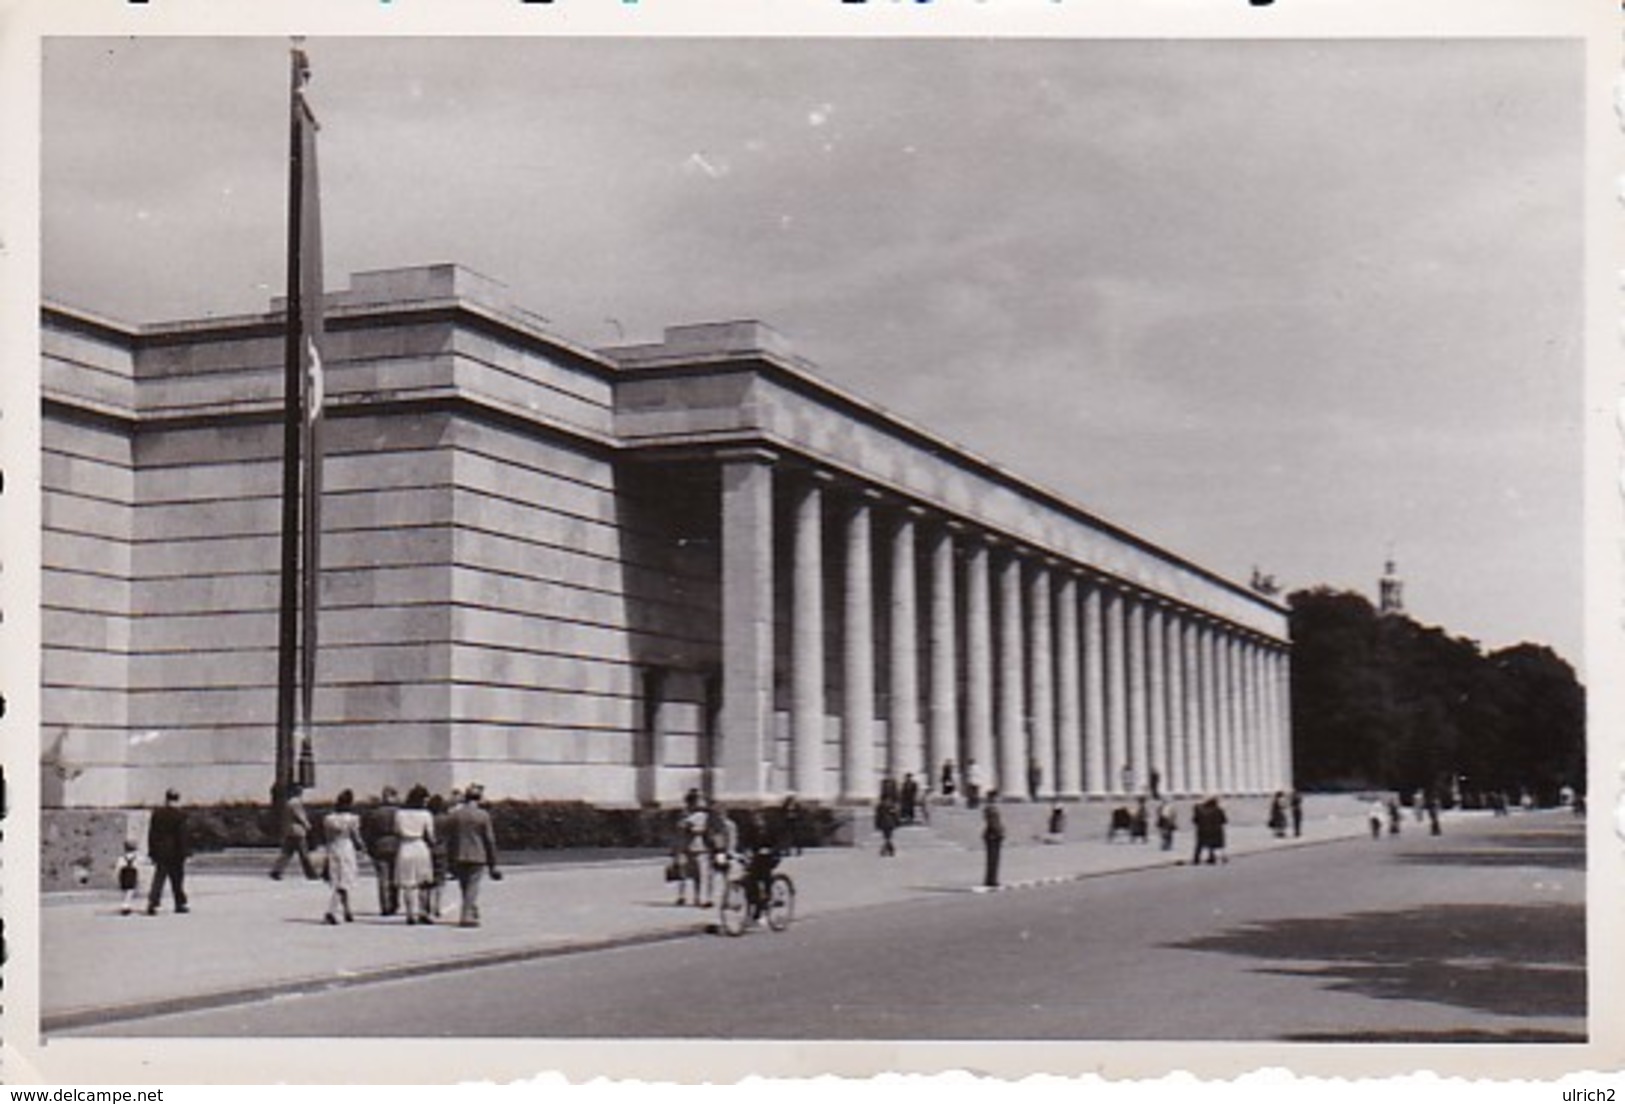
pixel 413 847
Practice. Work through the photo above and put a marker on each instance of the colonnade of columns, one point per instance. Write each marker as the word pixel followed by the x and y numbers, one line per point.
pixel 1033 675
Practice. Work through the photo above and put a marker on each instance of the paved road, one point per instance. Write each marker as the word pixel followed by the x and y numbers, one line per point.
pixel 1478 935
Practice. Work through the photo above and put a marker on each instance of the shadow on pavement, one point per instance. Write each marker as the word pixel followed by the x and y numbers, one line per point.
pixel 1556 850
pixel 1465 1036
pixel 1565 839
pixel 1509 960
pixel 1511 856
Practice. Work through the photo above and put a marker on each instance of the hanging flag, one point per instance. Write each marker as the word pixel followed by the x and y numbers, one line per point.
pixel 312 390
pixel 302 448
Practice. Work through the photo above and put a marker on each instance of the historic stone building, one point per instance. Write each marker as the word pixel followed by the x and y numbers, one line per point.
pixel 600 574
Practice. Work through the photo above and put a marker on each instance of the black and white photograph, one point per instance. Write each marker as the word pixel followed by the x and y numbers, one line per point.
pixel 940 540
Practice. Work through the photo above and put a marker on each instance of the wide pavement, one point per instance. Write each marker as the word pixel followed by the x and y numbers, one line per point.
pixel 1476 936
pixel 248 937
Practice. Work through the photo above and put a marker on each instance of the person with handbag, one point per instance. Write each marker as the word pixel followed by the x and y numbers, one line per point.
pixel 693 830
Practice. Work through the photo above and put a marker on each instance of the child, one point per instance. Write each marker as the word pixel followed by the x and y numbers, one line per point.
pixel 129 876
pixel 1167 824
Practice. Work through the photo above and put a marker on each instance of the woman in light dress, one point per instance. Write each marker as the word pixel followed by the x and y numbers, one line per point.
pixel 342 829
pixel 414 865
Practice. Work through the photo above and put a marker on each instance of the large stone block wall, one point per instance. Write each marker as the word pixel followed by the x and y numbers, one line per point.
pixel 567 589
pixel 87 490
pixel 87 494
pixel 524 378
pixel 205 670
pixel 488 599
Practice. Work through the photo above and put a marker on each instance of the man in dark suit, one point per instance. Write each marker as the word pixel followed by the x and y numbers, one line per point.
pixel 378 833
pixel 471 851
pixel 168 847
pixel 992 838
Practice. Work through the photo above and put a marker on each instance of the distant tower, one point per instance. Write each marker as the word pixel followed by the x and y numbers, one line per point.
pixel 1391 592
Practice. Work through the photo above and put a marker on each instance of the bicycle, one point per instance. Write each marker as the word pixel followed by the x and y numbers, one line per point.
pixel 754 894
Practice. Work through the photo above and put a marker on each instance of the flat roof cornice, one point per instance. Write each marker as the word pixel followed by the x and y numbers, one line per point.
pixel 794 374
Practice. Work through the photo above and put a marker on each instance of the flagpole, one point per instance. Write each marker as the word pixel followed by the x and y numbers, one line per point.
pixel 288 610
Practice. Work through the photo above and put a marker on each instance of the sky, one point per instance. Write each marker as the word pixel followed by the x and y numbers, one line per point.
pixel 1294 305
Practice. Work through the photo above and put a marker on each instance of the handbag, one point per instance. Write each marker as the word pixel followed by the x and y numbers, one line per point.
pixel 674 870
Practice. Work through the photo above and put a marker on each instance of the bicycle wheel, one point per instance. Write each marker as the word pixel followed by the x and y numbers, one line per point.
pixel 781 902
pixel 734 909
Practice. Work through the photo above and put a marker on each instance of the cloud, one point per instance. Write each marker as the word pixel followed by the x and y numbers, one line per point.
pixel 712 166
pixel 1233 294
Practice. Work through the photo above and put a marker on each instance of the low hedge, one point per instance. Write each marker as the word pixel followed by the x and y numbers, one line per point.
pixel 217 827
pixel 519 825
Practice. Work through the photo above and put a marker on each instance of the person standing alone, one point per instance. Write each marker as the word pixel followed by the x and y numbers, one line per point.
pixel 887 818
pixel 992 838
pixel 168 846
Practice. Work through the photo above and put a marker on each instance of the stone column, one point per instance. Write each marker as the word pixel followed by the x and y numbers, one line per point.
pixel 1243 717
pixel 1117 709
pixel 1069 700
pixel 807 645
pixel 944 715
pixel 904 754
pixel 1284 696
pixel 1277 762
pixel 1196 688
pixel 1258 735
pixel 1248 726
pixel 1272 718
pixel 1041 662
pixel 1095 727
pixel 1138 737
pixel 978 664
pixel 1156 676
pixel 1012 684
pixel 858 659
pixel 1231 772
pixel 745 726
pixel 1212 778
pixel 1263 732
pixel 1238 659
pixel 1221 728
pixel 1178 715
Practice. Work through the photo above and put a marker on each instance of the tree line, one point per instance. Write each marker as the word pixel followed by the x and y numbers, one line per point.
pixel 1381 702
